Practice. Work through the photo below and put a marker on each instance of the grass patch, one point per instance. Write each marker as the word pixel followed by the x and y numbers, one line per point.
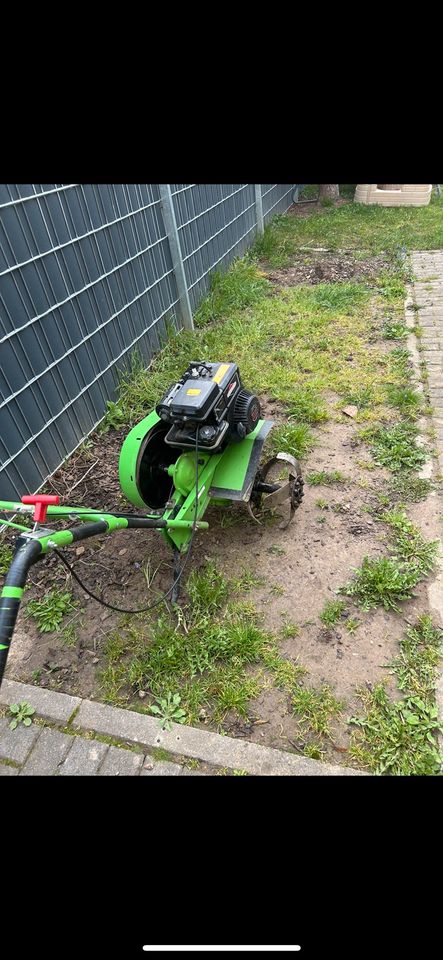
pixel 409 489
pixel 400 737
pixel 358 227
pixel 394 329
pixel 242 286
pixel 386 581
pixel 410 547
pixel 383 582
pixel 316 708
pixel 293 438
pixel 214 662
pixel 405 399
pixel 396 446
pixel 5 557
pixel 50 610
pixel 324 479
pixel 332 612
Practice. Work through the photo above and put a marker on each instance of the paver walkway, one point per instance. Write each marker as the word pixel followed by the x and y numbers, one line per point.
pixel 74 737
pixel 427 267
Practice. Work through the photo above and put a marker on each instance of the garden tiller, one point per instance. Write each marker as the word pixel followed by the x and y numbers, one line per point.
pixel 201 444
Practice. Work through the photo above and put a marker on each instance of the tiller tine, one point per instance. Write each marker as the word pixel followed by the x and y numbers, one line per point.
pixel 278 487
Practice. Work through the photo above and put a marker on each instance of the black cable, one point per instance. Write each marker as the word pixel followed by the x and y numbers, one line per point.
pixel 111 606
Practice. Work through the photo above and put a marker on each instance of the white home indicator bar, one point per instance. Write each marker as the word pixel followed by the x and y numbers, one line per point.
pixel 200 948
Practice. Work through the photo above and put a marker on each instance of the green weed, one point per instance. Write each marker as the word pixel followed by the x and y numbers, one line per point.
pixel 332 612
pixel 394 329
pixel 50 610
pixel 316 707
pixel 405 399
pixel 21 713
pixel 168 710
pixel 383 581
pixel 323 478
pixel 395 447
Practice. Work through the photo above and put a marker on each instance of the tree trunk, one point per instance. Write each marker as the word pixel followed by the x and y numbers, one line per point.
pixel 328 191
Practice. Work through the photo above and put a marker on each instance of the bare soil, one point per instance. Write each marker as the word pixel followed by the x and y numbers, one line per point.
pixel 325 267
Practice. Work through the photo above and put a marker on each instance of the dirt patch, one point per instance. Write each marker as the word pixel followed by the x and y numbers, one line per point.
pixel 307 208
pixel 329 268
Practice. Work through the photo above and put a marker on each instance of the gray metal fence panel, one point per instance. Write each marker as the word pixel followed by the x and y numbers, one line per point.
pixel 86 277
pixel 276 198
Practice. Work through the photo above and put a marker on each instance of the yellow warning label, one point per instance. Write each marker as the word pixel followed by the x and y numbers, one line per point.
pixel 223 368
pixel 193 392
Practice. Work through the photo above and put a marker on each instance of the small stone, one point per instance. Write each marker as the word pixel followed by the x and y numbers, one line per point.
pixel 121 553
pixel 148 766
pixel 79 551
pixel 141 694
pixel 350 411
pixel 96 660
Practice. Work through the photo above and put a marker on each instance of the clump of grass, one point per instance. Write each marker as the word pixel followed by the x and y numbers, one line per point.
pixel 391 285
pixel 69 636
pixel 405 399
pixel 289 629
pixel 325 478
pixel 50 610
pixel 394 329
pixel 306 405
pixel 382 581
pixel 316 708
pixel 415 667
pixel 5 557
pixel 400 737
pixel 293 438
pixel 395 447
pixel 340 297
pixel 388 580
pixel 409 489
pixel 242 286
pixel 332 612
pixel 400 360
pixel 410 547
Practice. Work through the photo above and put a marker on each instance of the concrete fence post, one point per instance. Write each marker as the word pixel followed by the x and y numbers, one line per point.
pixel 176 254
pixel 259 208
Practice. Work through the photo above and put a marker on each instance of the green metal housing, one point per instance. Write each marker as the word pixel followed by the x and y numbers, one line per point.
pixel 224 476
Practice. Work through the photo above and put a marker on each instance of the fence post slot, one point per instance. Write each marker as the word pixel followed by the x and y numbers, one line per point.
pixel 259 208
pixel 176 254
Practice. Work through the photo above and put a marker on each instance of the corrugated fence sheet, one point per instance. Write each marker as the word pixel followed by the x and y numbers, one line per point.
pixel 87 276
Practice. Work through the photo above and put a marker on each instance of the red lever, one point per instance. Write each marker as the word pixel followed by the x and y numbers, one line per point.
pixel 41 501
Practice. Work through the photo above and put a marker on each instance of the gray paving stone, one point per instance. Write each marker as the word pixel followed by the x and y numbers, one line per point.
pixel 84 758
pixel 16 744
pixel 47 703
pixel 115 722
pixel 48 753
pixel 203 745
pixel 159 768
pixel 6 771
pixel 120 763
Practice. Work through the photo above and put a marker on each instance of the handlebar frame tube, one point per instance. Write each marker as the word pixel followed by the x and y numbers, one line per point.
pixel 31 548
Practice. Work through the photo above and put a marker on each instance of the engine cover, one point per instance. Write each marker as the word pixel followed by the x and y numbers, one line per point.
pixel 210 397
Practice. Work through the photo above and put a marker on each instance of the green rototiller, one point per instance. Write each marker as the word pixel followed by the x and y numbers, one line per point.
pixel 201 444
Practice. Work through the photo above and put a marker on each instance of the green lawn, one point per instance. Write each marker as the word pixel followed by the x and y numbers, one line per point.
pixel 364 229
